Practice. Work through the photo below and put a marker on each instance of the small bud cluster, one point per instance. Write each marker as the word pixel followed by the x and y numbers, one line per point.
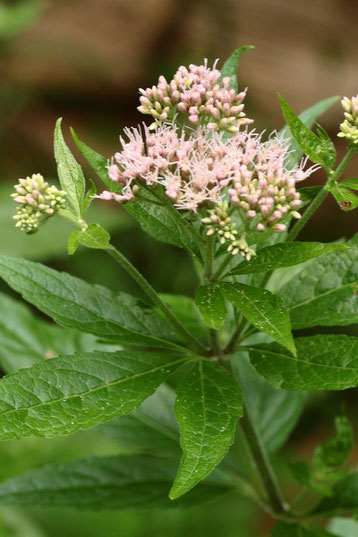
pixel 219 222
pixel 349 127
pixel 37 201
pixel 198 93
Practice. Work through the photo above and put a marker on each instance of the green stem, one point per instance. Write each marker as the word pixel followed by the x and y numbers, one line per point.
pixel 263 465
pixel 316 202
pixel 222 267
pixel 209 258
pixel 155 298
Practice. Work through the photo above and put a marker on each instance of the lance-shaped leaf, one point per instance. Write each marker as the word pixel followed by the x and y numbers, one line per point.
pixel 307 117
pixel 263 309
pixel 285 255
pixel 344 196
pixel 231 65
pixel 69 393
pixel 94 309
pixel 324 293
pixel 323 362
pixel 316 148
pixel 275 412
pixel 93 237
pixel 26 339
pixel 207 406
pixel 294 530
pixel 211 305
pixel 69 171
pixel 103 483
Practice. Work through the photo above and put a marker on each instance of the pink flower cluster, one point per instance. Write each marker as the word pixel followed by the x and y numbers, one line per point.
pixel 198 93
pixel 200 169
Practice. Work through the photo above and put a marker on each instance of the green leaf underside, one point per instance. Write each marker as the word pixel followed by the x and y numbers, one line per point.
pixel 94 309
pixel 262 309
pixel 345 496
pixel 211 305
pixel 162 223
pixel 285 255
pixel 327 144
pixel 351 182
pixel 104 483
pixel 307 117
pixel 274 411
pixel 69 171
pixel 69 393
pixel 231 65
pixel 94 237
pixel 312 145
pixel 344 196
pixel 97 162
pixel 323 362
pixel 151 429
pixel 294 530
pixel 207 406
pixel 324 293
pixel 26 340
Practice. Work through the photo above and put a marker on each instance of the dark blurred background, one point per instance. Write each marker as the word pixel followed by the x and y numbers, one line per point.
pixel 84 60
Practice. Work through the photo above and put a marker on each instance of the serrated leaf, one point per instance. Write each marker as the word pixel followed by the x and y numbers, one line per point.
pixel 94 237
pixel 323 362
pixel 89 196
pixel 262 309
pixel 73 241
pixel 151 429
pixel 94 309
pixel 207 406
pixel 162 223
pixel 324 293
pixel 97 162
pixel 285 255
pixel 307 117
pixel 327 144
pixel 344 196
pixel 275 412
pixel 312 145
pixel 211 305
pixel 69 171
pixel 75 392
pixel 104 483
pixel 231 65
pixel 26 340
pixel 294 530
pixel 185 309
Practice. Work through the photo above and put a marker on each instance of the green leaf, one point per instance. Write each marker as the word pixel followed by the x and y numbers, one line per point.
pixel 324 292
pixel 104 483
pixel 94 237
pixel 335 451
pixel 328 145
pixel 231 65
pixel 294 530
pixel 344 496
pixel 262 309
pixel 312 145
pixel 185 309
pixel 323 362
pixel 308 193
pixel 207 406
pixel 351 182
pixel 70 393
pixel 73 241
pixel 152 428
pixel 285 255
pixel 89 196
pixel 94 309
pixel 307 117
pixel 346 199
pixel 69 172
pixel 211 305
pixel 275 412
pixel 162 223
pixel 97 162
pixel 26 340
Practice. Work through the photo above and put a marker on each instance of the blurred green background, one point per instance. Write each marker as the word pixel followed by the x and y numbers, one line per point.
pixel 84 60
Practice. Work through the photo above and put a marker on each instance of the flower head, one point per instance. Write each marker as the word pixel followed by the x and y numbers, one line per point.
pixel 37 201
pixel 349 127
pixel 200 94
